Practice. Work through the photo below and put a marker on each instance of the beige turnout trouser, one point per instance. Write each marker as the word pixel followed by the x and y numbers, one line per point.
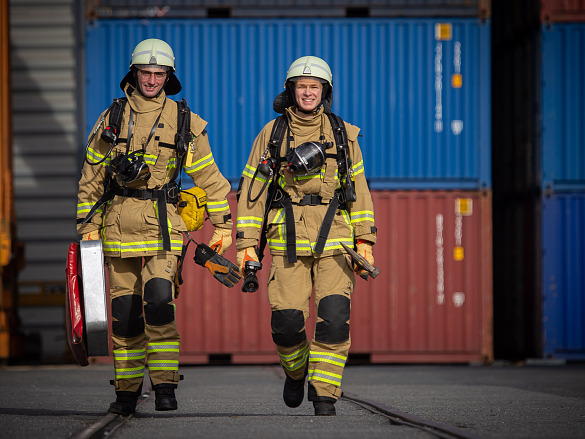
pixel 289 289
pixel 144 329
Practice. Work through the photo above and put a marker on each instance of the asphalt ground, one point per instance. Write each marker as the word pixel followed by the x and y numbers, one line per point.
pixel 499 401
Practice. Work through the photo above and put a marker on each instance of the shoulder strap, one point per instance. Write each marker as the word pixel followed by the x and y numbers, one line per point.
pixel 112 132
pixel 182 138
pixel 343 159
pixel 277 135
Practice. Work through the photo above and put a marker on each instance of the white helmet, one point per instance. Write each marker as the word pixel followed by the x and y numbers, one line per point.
pixel 153 53
pixel 305 67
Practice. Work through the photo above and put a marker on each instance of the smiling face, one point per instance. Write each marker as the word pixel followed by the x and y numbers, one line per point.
pixel 151 80
pixel 308 94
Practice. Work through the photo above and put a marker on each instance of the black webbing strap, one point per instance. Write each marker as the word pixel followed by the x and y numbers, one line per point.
pixel 276 136
pixel 161 196
pixel 326 224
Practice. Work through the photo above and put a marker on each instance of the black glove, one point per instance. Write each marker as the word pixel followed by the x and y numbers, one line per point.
pixel 222 269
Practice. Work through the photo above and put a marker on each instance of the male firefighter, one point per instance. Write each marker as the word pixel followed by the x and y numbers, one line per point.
pixel 128 198
pixel 317 199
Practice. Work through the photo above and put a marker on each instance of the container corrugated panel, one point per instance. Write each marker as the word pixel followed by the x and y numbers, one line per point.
pixel 563 106
pixel 563 276
pixel 307 8
pixel 556 11
pixel 419 90
pixel 432 302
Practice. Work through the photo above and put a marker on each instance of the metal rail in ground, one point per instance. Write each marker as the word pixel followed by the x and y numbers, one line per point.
pixel 105 427
pixel 400 418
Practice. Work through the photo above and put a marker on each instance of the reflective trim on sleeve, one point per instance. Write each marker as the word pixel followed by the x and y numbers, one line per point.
pixel 217 206
pixel 200 164
pixel 363 215
pixel 249 221
pixel 358 168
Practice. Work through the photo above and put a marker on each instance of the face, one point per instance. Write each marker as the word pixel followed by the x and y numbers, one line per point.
pixel 151 80
pixel 308 94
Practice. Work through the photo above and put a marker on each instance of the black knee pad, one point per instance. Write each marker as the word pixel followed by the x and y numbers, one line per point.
pixel 158 295
pixel 334 310
pixel 127 320
pixel 288 327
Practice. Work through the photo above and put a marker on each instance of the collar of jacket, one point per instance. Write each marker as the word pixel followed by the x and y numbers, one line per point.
pixel 305 126
pixel 142 104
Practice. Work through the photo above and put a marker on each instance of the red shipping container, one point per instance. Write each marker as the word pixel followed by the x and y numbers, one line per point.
pixel 432 302
pixel 558 11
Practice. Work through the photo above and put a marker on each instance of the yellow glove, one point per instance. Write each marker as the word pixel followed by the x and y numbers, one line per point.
pixel 221 240
pixel 364 248
pixel 247 254
pixel 94 235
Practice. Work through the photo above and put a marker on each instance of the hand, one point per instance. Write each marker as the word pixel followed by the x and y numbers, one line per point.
pixel 221 240
pixel 94 235
pixel 222 269
pixel 247 254
pixel 364 248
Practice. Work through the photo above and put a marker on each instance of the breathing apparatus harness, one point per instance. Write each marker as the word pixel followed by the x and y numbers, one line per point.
pixel 131 166
pixel 307 158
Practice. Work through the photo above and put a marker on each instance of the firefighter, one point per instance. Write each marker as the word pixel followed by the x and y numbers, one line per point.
pixel 127 184
pixel 312 205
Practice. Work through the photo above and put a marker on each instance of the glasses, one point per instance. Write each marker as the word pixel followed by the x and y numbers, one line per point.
pixel 145 74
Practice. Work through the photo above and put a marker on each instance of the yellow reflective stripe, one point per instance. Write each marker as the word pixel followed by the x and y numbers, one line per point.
pixel 124 355
pixel 163 364
pixel 130 247
pixel 296 360
pixel 169 346
pixel 337 360
pixel 358 168
pixel 94 156
pixel 130 372
pixel 326 377
pixel 200 164
pixel 249 172
pixel 249 221
pixel 217 206
pixel 362 215
pixel 84 207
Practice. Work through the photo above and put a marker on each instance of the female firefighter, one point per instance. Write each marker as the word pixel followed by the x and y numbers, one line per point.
pixel 317 199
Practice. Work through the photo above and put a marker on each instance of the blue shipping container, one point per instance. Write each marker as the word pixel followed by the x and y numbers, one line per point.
pixel 418 88
pixel 563 276
pixel 563 106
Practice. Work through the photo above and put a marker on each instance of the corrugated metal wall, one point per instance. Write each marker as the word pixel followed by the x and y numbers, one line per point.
pixel 418 88
pixel 563 276
pixel 563 107
pixel 43 51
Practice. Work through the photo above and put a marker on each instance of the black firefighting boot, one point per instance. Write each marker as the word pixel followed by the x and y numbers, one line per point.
pixel 294 392
pixel 165 397
pixel 125 403
pixel 324 408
